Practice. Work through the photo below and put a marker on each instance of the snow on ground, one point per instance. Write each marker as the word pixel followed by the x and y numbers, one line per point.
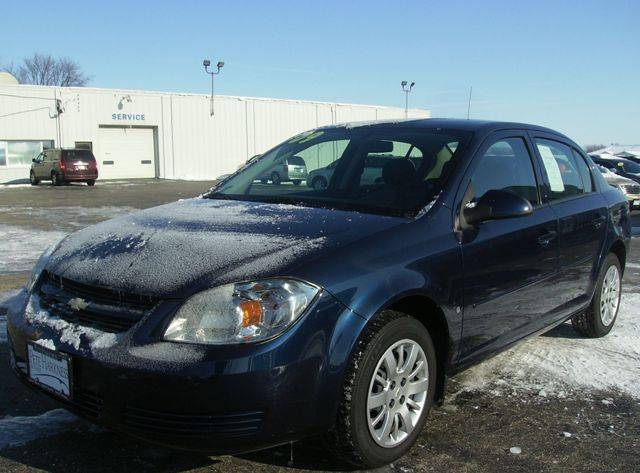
pixel 16 431
pixel 21 246
pixel 562 362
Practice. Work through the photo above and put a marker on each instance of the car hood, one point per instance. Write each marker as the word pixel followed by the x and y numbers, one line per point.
pixel 179 248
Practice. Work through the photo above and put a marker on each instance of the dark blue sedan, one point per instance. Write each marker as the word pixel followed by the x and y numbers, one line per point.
pixel 258 314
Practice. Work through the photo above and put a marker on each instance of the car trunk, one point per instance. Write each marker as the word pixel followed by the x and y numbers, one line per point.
pixel 79 164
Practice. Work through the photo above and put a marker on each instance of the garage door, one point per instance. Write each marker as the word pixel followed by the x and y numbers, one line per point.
pixel 126 153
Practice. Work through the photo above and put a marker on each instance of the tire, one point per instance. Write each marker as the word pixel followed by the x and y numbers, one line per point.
pixel 264 181
pixel 352 438
pixel 55 179
pixel 296 182
pixel 33 180
pixel 91 183
pixel 275 178
pixel 319 183
pixel 598 320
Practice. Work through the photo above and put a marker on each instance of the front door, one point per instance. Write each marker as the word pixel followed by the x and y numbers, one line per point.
pixel 508 264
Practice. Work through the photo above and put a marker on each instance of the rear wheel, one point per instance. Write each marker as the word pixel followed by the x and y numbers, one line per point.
pixel 296 182
pixel 599 318
pixel 388 392
pixel 275 178
pixel 55 179
pixel 91 182
pixel 33 180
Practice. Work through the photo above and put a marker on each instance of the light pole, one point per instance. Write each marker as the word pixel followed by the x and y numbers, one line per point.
pixel 406 96
pixel 206 63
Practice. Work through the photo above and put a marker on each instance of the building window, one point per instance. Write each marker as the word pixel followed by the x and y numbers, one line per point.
pixel 84 145
pixel 20 153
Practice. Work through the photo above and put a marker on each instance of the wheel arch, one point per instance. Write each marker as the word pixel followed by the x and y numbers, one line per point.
pixel 619 249
pixel 429 313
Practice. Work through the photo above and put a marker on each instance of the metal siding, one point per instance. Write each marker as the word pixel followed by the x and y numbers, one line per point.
pixel 190 143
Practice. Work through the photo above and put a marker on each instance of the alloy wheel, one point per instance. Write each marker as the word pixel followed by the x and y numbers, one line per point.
pixel 397 393
pixel 610 296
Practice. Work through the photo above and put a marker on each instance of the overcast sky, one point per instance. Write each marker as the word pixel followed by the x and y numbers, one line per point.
pixel 569 65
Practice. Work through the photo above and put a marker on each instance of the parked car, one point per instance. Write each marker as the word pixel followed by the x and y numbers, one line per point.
pixel 630 188
pixel 621 166
pixel 285 169
pixel 255 316
pixel 64 165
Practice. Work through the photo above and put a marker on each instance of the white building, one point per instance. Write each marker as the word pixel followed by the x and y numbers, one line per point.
pixel 136 134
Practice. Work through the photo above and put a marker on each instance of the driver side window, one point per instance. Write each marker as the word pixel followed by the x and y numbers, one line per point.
pixel 506 165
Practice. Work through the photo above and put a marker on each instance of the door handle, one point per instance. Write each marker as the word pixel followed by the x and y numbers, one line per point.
pixel 546 238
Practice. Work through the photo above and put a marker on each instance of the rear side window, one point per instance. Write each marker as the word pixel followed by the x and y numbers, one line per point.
pixel 295 161
pixel 562 169
pixel 583 169
pixel 506 166
pixel 78 154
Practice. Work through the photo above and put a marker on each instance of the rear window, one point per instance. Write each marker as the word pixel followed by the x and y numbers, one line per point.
pixel 77 154
pixel 296 161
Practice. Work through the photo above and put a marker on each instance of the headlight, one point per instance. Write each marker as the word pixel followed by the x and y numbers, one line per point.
pixel 241 312
pixel 40 264
pixel 623 188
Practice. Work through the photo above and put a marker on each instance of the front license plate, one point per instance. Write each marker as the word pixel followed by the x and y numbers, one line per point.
pixel 50 370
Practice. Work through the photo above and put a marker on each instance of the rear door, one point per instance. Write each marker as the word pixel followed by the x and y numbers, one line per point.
pixel 582 218
pixel 508 264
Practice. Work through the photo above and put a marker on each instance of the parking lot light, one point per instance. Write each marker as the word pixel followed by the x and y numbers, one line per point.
pixel 207 63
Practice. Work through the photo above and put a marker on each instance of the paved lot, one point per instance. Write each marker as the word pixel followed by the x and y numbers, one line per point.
pixel 590 425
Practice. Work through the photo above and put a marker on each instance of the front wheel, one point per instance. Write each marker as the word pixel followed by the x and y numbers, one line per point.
pixel 296 182
pixel 598 320
pixel 276 179
pixel 33 180
pixel 388 392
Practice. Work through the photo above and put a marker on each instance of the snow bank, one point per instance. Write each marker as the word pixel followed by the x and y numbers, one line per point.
pixel 562 362
pixel 21 247
pixel 16 431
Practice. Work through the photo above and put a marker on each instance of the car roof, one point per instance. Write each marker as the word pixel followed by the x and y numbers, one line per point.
pixel 486 126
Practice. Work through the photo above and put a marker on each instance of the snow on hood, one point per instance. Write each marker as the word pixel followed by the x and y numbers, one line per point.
pixel 162 250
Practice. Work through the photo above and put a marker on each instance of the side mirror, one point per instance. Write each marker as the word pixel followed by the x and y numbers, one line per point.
pixel 34 160
pixel 496 205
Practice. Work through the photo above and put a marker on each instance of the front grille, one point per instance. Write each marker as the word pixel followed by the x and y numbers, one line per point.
pixel 93 307
pixel 145 420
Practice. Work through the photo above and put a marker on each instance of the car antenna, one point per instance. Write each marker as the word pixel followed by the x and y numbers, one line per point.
pixel 469 103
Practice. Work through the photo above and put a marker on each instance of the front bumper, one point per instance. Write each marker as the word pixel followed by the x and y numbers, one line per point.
pixel 213 399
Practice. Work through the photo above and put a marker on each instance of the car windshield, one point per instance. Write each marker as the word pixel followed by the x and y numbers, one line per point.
pixel 376 169
pixel 629 166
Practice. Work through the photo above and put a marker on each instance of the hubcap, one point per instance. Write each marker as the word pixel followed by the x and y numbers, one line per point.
pixel 397 393
pixel 610 296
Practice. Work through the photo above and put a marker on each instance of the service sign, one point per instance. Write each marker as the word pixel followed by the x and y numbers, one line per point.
pixel 128 117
